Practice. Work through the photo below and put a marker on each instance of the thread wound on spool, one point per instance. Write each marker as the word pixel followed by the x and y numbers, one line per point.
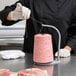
pixel 43 49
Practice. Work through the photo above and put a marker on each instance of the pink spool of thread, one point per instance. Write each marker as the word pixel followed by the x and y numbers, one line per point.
pixel 43 49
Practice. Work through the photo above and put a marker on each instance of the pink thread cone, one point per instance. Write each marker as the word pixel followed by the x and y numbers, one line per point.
pixel 32 72
pixel 43 50
pixel 5 72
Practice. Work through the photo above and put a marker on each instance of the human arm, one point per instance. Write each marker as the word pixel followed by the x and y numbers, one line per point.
pixel 5 14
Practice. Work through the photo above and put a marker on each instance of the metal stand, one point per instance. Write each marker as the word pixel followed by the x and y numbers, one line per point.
pixel 56 61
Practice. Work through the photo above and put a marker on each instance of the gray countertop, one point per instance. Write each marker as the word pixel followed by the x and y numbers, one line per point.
pixel 67 66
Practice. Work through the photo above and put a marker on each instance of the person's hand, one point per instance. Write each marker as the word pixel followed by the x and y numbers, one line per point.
pixel 63 53
pixel 20 12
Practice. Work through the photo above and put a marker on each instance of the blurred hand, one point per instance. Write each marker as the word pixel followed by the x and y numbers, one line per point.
pixel 63 53
pixel 20 12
